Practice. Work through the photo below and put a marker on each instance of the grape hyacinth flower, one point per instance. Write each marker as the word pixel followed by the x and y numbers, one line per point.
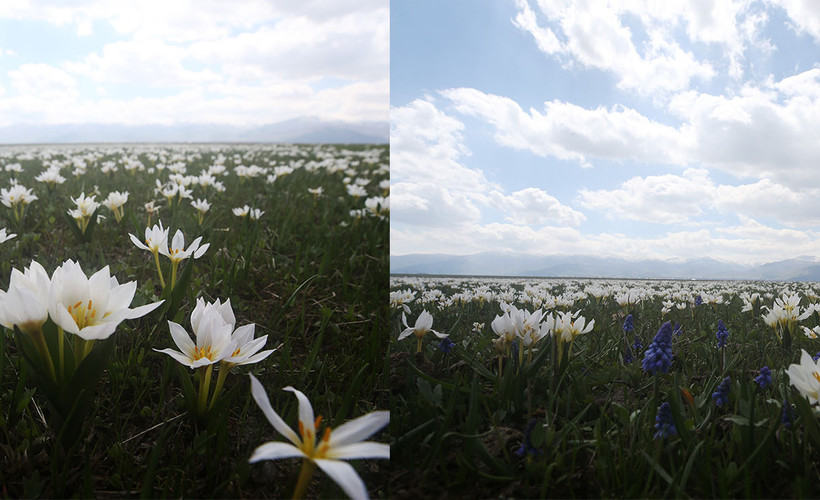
pixel 787 414
pixel 664 423
pixel 678 329
pixel 637 345
pixel 721 394
pixel 698 300
pixel 446 345
pixel 526 447
pixel 629 323
pixel 658 356
pixel 628 356
pixel 765 378
pixel 816 356
pixel 722 334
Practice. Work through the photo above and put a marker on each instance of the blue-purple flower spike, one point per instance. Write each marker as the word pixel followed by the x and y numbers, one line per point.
pixel 764 380
pixel 664 423
pixel 658 356
pixel 721 395
pixel 722 334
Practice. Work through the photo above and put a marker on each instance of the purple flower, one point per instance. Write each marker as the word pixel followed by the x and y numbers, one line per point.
pixel 678 329
pixel 658 356
pixel 698 300
pixel 637 345
pixel 764 380
pixel 787 414
pixel 527 447
pixel 721 395
pixel 446 345
pixel 722 334
pixel 664 423
pixel 629 323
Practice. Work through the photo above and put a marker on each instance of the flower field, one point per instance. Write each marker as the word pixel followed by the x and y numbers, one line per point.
pixel 604 388
pixel 156 299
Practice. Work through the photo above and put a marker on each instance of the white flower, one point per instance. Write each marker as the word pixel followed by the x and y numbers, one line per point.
pixel 343 443
pixel 177 252
pixel 25 304
pixel 213 340
pixel 806 377
pixel 5 237
pixel 91 307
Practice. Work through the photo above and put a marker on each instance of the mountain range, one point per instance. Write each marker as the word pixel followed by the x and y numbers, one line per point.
pixel 803 268
pixel 298 130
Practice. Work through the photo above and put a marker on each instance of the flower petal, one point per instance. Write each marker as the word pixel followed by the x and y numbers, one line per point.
pixel 305 408
pixel 274 450
pixel 345 476
pixel 364 449
pixel 276 421
pixel 359 428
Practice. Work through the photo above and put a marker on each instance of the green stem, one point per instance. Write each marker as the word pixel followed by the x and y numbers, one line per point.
pixel 159 269
pixel 40 342
pixel 224 368
pixel 204 388
pixel 174 266
pixel 87 346
pixel 418 344
pixel 60 348
pixel 305 473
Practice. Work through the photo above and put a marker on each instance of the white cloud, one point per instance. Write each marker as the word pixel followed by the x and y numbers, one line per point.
pixel 595 35
pixel 534 207
pixel 571 132
pixel 43 81
pixel 804 15
pixel 662 199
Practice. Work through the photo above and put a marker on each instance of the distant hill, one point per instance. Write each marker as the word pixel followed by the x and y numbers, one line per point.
pixel 300 130
pixel 512 264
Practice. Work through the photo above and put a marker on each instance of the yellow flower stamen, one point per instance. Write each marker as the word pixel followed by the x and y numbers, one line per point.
pixel 816 376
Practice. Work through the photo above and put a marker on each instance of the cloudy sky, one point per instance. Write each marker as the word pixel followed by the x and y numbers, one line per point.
pixel 238 62
pixel 634 128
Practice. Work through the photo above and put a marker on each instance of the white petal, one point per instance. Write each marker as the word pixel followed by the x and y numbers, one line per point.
pixel 359 428
pixel 275 420
pixel 185 360
pixel 274 450
pixel 305 408
pixel 181 338
pixel 138 243
pixel 141 311
pixel 365 449
pixel 345 476
pixel 201 250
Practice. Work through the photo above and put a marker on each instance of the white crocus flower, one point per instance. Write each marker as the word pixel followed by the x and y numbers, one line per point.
pixel 177 252
pixel 156 242
pixel 424 324
pixel 4 237
pixel 91 307
pixel 343 443
pixel 213 341
pixel 25 304
pixel 806 377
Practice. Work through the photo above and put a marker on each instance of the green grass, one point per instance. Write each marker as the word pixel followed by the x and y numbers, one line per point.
pixel 457 423
pixel 310 276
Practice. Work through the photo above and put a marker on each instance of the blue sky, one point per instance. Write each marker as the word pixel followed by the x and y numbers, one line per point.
pixel 668 130
pixel 244 62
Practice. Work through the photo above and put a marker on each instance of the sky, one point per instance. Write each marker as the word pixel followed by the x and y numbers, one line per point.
pixel 639 129
pixel 238 62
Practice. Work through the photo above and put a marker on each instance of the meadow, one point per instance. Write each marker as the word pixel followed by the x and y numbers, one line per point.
pixel 297 241
pixel 566 388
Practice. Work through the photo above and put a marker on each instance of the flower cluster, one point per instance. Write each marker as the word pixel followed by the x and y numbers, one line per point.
pixel 806 377
pixel 658 356
pixel 764 380
pixel 664 423
pixel 629 323
pixel 722 334
pixel 721 394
